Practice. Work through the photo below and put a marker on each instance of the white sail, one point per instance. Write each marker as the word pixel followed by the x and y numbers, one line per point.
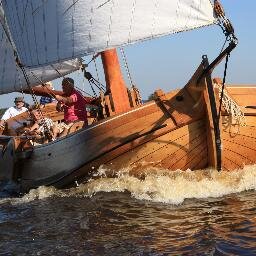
pixel 11 76
pixel 49 31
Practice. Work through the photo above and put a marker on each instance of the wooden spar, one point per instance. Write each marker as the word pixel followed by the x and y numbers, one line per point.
pixel 43 91
pixel 114 81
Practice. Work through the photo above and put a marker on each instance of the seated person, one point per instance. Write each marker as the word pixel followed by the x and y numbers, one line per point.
pixel 40 128
pixel 73 104
pixel 12 112
pixel 44 99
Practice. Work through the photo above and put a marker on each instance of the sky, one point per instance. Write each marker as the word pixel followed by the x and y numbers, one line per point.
pixel 169 62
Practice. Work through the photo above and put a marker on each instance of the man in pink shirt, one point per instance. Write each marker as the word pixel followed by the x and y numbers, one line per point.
pixel 73 104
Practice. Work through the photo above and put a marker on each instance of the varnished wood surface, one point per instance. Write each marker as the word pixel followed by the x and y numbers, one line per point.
pixel 183 148
pixel 239 143
pixel 170 132
pixel 112 139
pixel 164 150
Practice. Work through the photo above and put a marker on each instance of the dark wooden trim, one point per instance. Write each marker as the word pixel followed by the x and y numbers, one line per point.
pixel 210 67
pixel 214 113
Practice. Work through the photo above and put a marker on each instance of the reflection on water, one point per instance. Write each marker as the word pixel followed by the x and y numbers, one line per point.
pixel 192 213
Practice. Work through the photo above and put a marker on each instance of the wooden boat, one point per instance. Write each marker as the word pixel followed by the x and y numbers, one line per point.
pixel 181 129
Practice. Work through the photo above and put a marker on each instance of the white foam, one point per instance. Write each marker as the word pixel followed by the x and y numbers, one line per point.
pixel 158 185
pixel 174 187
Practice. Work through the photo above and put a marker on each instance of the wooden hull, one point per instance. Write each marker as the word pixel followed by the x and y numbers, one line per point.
pixel 183 148
pixel 152 135
pixel 239 140
pixel 143 135
pixel 176 131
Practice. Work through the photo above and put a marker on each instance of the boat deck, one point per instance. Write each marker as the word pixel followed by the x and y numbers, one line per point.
pixel 245 97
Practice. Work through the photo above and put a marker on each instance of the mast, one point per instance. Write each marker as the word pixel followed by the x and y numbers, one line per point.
pixel 114 81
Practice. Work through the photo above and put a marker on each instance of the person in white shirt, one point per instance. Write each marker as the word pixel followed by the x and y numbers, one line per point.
pixel 14 111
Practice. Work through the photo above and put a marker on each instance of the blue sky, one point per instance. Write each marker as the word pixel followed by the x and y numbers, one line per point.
pixel 169 62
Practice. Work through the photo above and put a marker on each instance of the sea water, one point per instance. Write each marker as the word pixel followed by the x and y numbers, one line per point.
pixel 179 213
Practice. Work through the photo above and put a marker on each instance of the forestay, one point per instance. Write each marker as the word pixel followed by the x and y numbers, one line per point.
pixel 49 31
pixel 11 77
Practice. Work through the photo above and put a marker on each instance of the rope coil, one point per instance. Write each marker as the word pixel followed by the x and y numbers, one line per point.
pixel 232 108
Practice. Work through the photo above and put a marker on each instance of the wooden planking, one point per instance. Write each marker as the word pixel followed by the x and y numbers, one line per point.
pixel 239 143
pixel 247 111
pixel 96 158
pixel 113 137
pixel 177 140
pixel 241 89
pixel 199 162
pixel 244 96
pixel 181 111
pixel 249 121
pixel 159 147
pixel 109 124
pixel 243 154
pixel 229 165
pixel 186 161
pixel 118 158
pixel 132 127
pixel 247 150
pixel 180 152
pixel 235 130
pixel 239 139
pixel 127 154
pixel 110 133
pixel 49 110
pixel 239 151
pixel 244 100
pixel 236 157
pixel 241 133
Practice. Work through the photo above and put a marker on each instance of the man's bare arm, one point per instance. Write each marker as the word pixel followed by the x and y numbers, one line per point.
pixel 65 100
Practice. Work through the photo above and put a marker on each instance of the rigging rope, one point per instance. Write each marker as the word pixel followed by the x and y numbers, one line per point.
pixel 47 130
pixel 136 90
pixel 92 80
pixel 228 30
pixel 93 58
pixel 223 85
pixel 50 93
pixel 74 85
pixel 226 101
pixel 231 106
pixel 21 87
pixel 97 73
pixel 224 44
pixel 126 65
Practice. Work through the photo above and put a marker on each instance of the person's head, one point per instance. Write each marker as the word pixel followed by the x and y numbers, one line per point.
pixel 36 115
pixel 67 85
pixel 19 102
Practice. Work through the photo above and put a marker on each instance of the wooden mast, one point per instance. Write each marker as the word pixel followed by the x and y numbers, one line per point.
pixel 114 81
